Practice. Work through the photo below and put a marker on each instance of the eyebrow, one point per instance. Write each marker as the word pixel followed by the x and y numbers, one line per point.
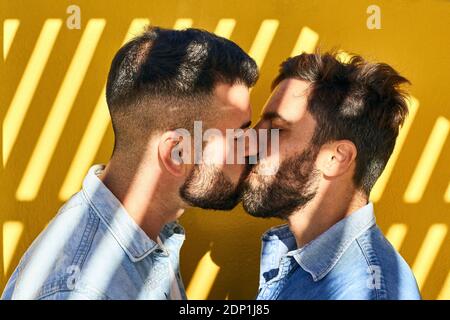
pixel 246 125
pixel 275 116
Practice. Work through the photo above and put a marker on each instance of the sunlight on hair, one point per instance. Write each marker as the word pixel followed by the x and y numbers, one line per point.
pixel 12 231
pixel 95 131
pixel 225 28
pixel 428 251
pixel 343 57
pixel 182 24
pixel 427 162
pixel 380 185
pixel 60 110
pixel 306 42
pixel 10 27
pixel 20 103
pixel 203 278
pixel 263 40
pixel 396 234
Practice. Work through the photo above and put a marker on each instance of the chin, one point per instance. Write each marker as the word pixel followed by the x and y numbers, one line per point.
pixel 255 210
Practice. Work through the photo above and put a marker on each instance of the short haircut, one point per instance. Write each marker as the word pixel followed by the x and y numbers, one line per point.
pixel 358 100
pixel 164 79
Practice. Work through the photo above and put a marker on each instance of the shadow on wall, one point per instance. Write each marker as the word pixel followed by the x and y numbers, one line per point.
pixel 55 121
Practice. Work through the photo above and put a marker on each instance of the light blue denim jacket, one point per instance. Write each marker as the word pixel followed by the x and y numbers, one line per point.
pixel 93 249
pixel 351 260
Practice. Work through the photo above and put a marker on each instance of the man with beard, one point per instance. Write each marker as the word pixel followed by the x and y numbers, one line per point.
pixel 337 123
pixel 118 237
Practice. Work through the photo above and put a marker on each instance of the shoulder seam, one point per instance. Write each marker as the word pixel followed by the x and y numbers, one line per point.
pixel 86 239
pixel 370 262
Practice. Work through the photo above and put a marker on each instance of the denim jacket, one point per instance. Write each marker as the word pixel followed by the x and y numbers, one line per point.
pixel 92 249
pixel 351 260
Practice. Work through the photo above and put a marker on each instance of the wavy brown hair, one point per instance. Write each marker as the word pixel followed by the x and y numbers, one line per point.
pixel 358 100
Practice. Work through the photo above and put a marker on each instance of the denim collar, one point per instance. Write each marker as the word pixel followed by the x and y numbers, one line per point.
pixel 319 256
pixel 124 229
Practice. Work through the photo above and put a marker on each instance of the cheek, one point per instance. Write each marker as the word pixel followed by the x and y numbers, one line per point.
pixel 277 152
pixel 271 156
pixel 291 144
pixel 214 152
pixel 268 166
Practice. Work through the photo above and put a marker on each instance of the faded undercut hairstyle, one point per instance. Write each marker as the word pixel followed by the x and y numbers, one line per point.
pixel 164 79
pixel 359 101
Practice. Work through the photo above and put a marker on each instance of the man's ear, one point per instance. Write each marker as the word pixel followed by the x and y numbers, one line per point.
pixel 337 157
pixel 170 150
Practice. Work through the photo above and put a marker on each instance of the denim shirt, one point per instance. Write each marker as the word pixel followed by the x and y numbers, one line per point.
pixel 351 260
pixel 93 249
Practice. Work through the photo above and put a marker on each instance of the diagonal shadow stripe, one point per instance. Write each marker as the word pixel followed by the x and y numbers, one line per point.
pixel 45 147
pixel 21 101
pixel 93 135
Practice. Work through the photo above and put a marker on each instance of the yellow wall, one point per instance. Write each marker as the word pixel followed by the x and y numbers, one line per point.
pixel 54 121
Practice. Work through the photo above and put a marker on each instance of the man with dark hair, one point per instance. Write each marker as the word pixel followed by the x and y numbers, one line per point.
pixel 337 123
pixel 118 238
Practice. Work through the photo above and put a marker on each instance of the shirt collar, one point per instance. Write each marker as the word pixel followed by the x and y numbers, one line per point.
pixel 124 229
pixel 319 256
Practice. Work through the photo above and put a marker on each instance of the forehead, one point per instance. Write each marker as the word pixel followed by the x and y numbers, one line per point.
pixel 290 100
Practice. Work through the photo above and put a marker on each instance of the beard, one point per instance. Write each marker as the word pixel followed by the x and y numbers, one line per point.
pixel 207 187
pixel 293 185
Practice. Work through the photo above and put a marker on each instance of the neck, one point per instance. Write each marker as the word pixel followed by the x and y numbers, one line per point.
pixel 144 192
pixel 323 212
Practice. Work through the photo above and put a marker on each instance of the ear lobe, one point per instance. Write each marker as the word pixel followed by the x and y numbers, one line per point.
pixel 170 150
